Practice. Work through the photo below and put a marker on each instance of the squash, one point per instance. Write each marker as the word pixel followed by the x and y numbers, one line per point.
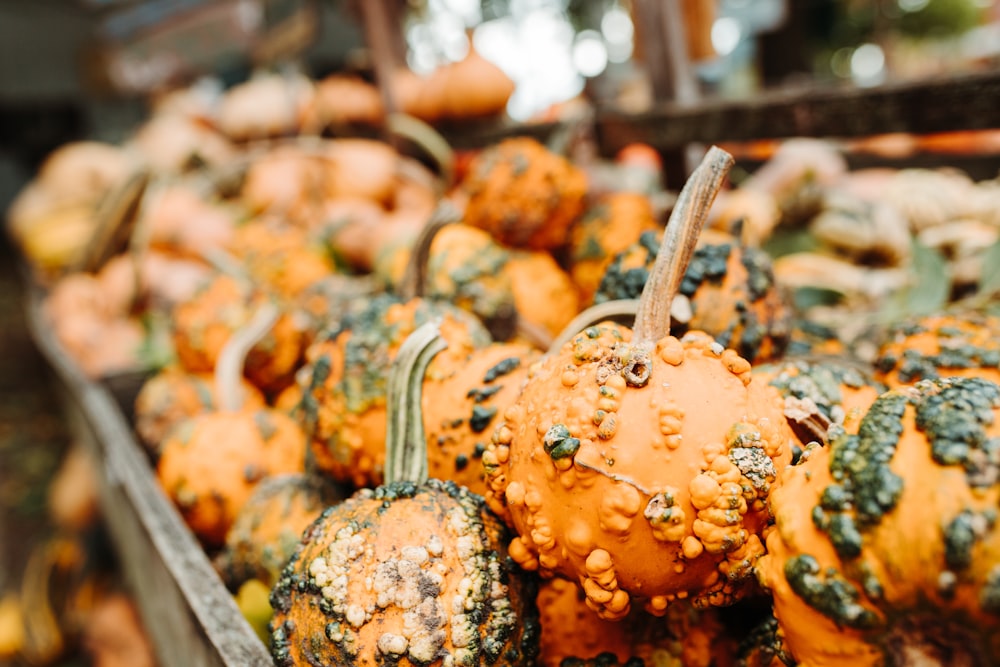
pixel 524 195
pixel 172 396
pixel 946 345
pixel 885 548
pixel 572 633
pixel 730 288
pixel 268 527
pixel 202 326
pixel 632 448
pixel 461 410
pixel 210 464
pixel 413 573
pixel 344 384
pixel 609 226
pixel 279 258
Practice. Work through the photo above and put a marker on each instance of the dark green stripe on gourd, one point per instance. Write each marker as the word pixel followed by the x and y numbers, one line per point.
pixel 828 592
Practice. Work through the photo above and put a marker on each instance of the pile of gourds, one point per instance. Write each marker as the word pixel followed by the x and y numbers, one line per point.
pixel 512 419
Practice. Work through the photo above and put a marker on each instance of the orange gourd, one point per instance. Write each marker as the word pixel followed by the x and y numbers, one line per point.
pixel 524 195
pixel 609 226
pixel 413 573
pixel 279 258
pixel 171 396
pixel 639 464
pixel 730 289
pixel 202 325
pixel 885 548
pixel 461 410
pixel 344 385
pixel 210 464
pixel 270 524
pixel 940 346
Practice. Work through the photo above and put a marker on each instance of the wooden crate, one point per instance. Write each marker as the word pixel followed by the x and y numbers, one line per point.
pixel 191 618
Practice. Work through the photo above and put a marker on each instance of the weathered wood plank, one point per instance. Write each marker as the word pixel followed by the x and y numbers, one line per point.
pixel 191 618
pixel 969 102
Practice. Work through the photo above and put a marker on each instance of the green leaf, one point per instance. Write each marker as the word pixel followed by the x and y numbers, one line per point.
pixel 989 280
pixel 928 292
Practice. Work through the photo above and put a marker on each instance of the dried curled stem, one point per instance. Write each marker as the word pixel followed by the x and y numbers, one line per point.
pixel 652 320
pixel 229 367
pixel 405 440
pixel 414 282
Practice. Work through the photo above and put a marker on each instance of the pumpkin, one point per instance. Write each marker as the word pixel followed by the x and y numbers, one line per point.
pixel 885 548
pixel 174 143
pixel 268 527
pixel 172 396
pixel 524 195
pixel 287 181
pixel 460 410
pixel 544 295
pixel 812 338
pixel 341 100
pixel 608 227
pixel 344 383
pixel 211 463
pixel 268 105
pixel 412 573
pixel 572 633
pixel 279 257
pixel 821 393
pixel 202 326
pixel 473 88
pixel 730 288
pixel 465 267
pixel 631 449
pixel 936 346
pixel 180 221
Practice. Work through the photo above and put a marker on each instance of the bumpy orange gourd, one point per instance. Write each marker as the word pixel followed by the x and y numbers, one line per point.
pixel 886 549
pixel 269 527
pixel 524 195
pixel 210 464
pixel 610 225
pixel 202 325
pixel 413 573
pixel 171 396
pixel 636 463
pixel 461 410
pixel 345 384
pixel 940 346
pixel 731 290
pixel 572 633
pixel 280 258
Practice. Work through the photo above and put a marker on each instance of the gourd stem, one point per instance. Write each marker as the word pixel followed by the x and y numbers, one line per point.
pixel 405 440
pixel 415 278
pixel 652 319
pixel 229 367
pixel 609 310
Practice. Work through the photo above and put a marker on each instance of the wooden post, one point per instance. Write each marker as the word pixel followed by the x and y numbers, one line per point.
pixel 385 41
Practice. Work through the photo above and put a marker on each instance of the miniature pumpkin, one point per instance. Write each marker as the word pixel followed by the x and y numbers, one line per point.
pixel 202 326
pixel 940 346
pixel 572 633
pixel 543 293
pixel 171 396
pixel 630 449
pixel 345 381
pixel 731 290
pixel 609 226
pixel 461 410
pixel 287 181
pixel 524 195
pixel 211 463
pixel 269 526
pixel 279 257
pixel 885 548
pixel 412 573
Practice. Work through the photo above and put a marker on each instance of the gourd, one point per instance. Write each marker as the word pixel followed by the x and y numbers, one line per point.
pixel 730 289
pixel 210 464
pixel 414 572
pixel 885 548
pixel 638 464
